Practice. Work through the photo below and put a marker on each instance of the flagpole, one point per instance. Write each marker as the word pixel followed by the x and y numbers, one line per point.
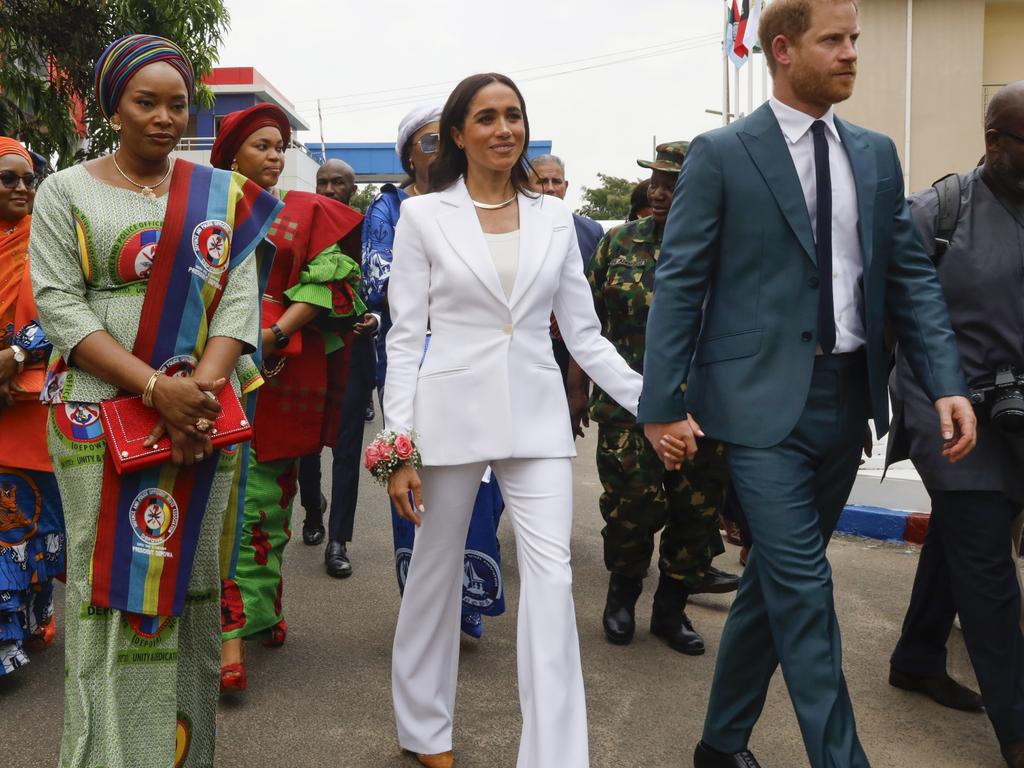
pixel 736 96
pixel 750 82
pixel 725 69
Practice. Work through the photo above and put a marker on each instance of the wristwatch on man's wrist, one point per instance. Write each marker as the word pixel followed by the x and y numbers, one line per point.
pixel 281 338
pixel 20 357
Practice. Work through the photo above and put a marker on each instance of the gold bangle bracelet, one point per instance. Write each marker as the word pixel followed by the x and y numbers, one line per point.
pixel 147 393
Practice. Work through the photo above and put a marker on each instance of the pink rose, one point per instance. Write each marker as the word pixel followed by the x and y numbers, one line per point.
pixel 383 450
pixel 371 457
pixel 404 447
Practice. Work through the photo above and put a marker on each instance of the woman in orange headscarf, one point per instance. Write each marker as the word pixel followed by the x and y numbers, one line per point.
pixel 31 518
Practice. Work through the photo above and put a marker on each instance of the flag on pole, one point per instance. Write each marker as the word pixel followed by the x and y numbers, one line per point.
pixel 741 38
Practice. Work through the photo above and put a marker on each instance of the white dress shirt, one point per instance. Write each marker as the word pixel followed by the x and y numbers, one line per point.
pixel 847 257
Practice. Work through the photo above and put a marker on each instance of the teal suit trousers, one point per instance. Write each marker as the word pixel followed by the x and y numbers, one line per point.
pixel 793 494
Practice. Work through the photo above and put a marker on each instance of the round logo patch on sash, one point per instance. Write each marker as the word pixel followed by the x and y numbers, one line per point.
pixel 79 422
pixel 154 516
pixel 20 505
pixel 181 366
pixel 481 580
pixel 211 241
pixel 182 739
pixel 147 627
pixel 135 261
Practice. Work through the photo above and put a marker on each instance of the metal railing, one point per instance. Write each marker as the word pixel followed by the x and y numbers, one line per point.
pixel 191 143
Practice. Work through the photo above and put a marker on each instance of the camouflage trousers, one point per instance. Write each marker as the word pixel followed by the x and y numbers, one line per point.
pixel 641 498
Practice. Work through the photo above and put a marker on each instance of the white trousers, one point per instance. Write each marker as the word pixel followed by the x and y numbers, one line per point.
pixel 425 661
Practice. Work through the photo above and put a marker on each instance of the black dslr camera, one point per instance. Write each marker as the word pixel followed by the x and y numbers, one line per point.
pixel 1003 395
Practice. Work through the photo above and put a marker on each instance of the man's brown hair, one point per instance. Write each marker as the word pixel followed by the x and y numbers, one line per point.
pixel 789 18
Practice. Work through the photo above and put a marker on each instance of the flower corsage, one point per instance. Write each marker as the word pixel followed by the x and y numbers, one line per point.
pixel 389 451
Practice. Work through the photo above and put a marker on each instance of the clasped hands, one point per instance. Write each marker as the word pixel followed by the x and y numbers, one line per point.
pixel 182 403
pixel 674 441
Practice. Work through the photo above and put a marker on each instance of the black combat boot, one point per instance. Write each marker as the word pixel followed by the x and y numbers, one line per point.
pixel 619 609
pixel 669 620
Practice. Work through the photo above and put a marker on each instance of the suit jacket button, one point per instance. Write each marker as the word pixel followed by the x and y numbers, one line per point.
pixel 806 335
pixel 814 282
pixel 507 329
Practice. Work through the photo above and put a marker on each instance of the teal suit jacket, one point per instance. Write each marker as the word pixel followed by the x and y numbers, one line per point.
pixel 732 331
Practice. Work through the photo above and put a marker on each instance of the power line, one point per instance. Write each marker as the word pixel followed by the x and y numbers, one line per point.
pixel 647 49
pixel 375 104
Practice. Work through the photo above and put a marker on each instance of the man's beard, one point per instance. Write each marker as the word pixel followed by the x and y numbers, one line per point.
pixel 1009 178
pixel 819 87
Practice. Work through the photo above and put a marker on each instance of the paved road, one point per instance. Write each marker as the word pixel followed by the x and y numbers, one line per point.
pixel 324 700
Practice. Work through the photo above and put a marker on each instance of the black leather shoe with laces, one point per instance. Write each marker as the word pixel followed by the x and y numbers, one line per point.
pixel 706 757
pixel 313 526
pixel 336 560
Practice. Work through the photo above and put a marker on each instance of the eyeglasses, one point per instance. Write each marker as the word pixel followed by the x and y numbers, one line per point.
pixel 10 180
pixel 429 143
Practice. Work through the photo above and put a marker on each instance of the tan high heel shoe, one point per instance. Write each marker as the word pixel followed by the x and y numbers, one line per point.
pixel 440 760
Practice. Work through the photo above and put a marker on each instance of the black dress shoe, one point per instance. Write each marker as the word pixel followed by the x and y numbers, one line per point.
pixel 620 609
pixel 706 757
pixel 943 690
pixel 313 526
pixel 336 560
pixel 716 582
pixel 669 620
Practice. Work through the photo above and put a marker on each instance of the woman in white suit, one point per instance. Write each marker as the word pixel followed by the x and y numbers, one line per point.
pixel 482 262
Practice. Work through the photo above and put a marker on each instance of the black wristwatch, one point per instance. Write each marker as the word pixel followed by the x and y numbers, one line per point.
pixel 281 336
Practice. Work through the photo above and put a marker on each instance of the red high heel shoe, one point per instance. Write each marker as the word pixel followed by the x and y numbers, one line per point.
pixel 278 634
pixel 43 637
pixel 232 677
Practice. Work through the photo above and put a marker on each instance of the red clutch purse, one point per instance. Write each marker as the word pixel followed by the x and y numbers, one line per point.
pixel 127 423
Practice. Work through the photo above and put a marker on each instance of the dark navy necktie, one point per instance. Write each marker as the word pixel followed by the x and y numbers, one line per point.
pixel 823 179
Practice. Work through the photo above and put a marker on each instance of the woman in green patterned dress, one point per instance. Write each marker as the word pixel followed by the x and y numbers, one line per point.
pixel 140 690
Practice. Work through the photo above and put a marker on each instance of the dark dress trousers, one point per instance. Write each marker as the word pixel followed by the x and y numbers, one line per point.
pixel 966 564
pixel 744 363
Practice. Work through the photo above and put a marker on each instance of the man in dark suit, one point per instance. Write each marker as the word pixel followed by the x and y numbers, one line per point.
pixel 965 564
pixel 792 224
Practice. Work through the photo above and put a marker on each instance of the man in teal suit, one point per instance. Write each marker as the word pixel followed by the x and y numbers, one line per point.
pixel 788 243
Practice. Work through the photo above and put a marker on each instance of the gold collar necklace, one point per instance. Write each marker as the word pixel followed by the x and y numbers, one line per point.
pixel 147 191
pixel 493 206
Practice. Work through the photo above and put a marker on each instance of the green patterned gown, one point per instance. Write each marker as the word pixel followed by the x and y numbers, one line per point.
pixel 138 694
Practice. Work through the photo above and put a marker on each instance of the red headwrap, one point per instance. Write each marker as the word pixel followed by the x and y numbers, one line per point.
pixel 239 126
pixel 10 146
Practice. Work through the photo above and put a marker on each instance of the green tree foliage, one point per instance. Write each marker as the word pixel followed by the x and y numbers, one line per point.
pixel 608 201
pixel 48 50
pixel 363 197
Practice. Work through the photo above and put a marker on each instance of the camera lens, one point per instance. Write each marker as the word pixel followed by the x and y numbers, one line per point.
pixel 1008 410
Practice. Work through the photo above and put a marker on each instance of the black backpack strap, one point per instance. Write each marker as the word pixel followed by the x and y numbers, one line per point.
pixel 948 189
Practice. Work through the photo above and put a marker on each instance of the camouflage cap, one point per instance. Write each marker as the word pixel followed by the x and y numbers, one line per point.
pixel 669 157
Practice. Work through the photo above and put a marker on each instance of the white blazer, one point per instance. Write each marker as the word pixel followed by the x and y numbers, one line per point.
pixel 488 387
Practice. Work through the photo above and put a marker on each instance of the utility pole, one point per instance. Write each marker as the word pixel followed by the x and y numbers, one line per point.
pixel 323 145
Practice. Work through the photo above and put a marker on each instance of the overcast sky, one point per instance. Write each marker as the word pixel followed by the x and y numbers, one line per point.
pixel 601 78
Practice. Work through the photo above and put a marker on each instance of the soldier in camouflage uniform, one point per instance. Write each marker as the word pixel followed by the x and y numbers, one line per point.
pixel 640 497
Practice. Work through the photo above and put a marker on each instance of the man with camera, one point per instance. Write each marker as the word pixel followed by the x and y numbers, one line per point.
pixel 973 226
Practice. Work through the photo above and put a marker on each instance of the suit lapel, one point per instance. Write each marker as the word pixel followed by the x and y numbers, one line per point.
pixel 865 176
pixel 534 237
pixel 461 228
pixel 767 148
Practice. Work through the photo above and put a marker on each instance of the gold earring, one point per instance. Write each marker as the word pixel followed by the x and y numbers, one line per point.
pixel 115 127
pixel 234 165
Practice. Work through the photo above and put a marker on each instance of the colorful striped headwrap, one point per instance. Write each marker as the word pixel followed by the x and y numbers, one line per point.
pixel 125 57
